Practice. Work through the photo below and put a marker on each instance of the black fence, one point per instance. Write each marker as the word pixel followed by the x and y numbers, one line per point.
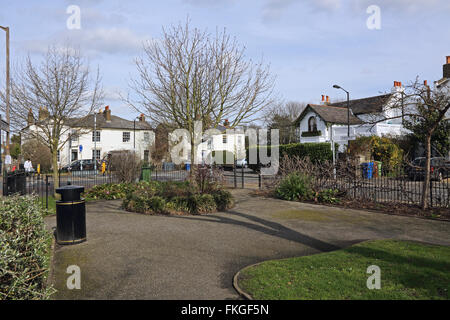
pixel 399 185
pixel 361 182
pixel 43 186
pixel 165 172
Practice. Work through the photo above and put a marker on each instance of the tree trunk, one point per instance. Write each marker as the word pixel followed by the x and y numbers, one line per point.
pixel 426 180
pixel 55 172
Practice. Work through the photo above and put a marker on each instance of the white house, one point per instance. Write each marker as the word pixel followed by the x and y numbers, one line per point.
pixel 444 84
pixel 112 133
pixel 222 138
pixel 330 122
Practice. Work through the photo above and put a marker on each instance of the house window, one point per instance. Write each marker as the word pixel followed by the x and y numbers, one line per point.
pixel 73 136
pixel 239 140
pixel 95 136
pixel 146 155
pixel 209 144
pixel 224 139
pixel 146 136
pixel 312 125
pixel 126 136
pixel 57 156
pixel 95 154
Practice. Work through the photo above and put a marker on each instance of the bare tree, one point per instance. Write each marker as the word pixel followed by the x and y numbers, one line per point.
pixel 190 76
pixel 282 116
pixel 51 99
pixel 422 110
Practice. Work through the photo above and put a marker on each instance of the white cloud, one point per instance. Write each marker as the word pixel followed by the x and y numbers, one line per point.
pixel 93 41
pixel 274 9
pixel 401 6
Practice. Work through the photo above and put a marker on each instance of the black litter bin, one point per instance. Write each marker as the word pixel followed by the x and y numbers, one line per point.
pixel 70 215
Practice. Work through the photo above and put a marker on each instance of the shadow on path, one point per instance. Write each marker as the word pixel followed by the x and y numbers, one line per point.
pixel 267 227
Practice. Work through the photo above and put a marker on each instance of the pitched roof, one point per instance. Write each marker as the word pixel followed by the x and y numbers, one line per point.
pixel 330 114
pixel 366 105
pixel 116 123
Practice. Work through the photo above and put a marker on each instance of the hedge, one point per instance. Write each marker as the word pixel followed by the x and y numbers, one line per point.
pixel 317 152
pixel 25 245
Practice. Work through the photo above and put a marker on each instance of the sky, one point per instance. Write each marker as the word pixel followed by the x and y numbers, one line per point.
pixel 309 44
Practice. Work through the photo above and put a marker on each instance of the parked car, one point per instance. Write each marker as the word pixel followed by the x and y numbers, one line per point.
pixel 79 165
pixel 440 169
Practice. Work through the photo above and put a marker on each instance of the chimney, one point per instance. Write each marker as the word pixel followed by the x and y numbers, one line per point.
pixel 107 114
pixel 43 113
pixel 30 119
pixel 328 100
pixel 446 68
pixel 425 83
pixel 323 98
pixel 142 118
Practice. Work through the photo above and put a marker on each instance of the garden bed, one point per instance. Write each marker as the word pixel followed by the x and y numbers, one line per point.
pixel 154 197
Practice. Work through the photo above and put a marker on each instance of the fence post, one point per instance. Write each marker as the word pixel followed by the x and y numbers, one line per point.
pixel 242 174
pixel 259 180
pixel 431 192
pixel 234 174
pixel 46 191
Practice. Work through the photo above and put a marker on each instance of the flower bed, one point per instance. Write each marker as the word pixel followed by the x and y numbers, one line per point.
pixel 175 198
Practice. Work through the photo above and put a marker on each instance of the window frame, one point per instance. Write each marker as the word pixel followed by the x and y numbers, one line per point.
pixel 124 133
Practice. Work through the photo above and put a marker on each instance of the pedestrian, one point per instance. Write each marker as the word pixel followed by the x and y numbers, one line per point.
pixel 28 166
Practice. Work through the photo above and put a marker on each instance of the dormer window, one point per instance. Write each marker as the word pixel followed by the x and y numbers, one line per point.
pixel 312 125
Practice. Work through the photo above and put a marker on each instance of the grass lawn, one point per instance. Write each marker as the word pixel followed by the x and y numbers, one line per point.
pixel 409 270
pixel 51 203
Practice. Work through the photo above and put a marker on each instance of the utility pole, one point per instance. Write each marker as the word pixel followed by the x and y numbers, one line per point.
pixel 8 83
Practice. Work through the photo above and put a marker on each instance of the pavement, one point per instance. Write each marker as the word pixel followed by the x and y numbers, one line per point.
pixel 135 256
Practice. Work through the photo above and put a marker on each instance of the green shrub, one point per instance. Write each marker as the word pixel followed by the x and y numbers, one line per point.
pixel 202 203
pixel 223 199
pixel 24 249
pixel 328 196
pixel 295 186
pixel 108 191
pixel 317 152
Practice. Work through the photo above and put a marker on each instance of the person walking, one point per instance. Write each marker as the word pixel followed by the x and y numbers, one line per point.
pixel 28 166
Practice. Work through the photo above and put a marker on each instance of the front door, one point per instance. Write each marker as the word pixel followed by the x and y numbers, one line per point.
pixel 74 155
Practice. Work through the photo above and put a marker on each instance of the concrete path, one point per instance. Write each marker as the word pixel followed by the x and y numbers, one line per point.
pixel 134 256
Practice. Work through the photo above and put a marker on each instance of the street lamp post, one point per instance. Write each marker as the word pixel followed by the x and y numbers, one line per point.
pixel 95 142
pixel 8 83
pixel 348 108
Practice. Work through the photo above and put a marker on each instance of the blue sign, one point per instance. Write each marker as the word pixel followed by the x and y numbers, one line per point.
pixel 81 148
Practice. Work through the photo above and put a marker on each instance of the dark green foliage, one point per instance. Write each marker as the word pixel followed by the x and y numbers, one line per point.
pixel 317 152
pixel 223 199
pixel 295 186
pixel 24 249
pixel 311 133
pixel 174 198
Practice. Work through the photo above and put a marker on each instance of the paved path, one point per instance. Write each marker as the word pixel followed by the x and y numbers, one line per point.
pixel 134 256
